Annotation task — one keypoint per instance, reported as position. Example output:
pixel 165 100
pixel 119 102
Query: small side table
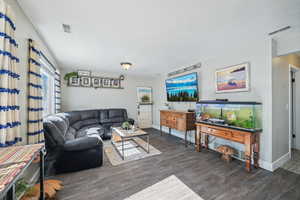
pixel 15 160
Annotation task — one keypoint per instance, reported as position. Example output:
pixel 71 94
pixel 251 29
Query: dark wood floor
pixel 205 173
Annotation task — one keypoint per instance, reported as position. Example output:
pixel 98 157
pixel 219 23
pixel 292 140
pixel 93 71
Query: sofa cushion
pixel 113 116
pixel 85 130
pixel 77 125
pixel 103 116
pixel 74 117
pixel 116 113
pixel 60 123
pixel 89 114
pixel 70 135
pixel 64 116
pixel 88 122
pixel 53 132
pixel 71 130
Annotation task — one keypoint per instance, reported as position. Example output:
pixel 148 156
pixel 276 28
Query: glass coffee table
pixel 120 135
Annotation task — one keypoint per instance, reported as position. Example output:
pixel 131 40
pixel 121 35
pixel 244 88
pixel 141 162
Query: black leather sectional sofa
pixel 74 139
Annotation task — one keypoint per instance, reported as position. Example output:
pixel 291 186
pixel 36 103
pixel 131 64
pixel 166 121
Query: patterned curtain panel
pixel 35 110
pixel 9 108
pixel 57 92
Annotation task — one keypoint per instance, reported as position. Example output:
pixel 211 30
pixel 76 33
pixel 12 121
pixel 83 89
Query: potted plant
pixel 126 125
pixel 70 74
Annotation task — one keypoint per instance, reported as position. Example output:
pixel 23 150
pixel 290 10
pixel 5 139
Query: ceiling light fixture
pixel 126 65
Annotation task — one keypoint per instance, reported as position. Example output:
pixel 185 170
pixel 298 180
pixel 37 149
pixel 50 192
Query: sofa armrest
pixel 83 143
pixel 131 121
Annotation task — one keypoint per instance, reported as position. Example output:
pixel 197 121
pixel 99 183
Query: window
pixel 48 91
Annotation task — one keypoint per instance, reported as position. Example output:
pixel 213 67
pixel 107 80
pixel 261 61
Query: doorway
pixel 294 110
pixel 288 107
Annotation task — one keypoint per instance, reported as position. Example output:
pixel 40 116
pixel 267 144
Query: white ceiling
pixel 155 35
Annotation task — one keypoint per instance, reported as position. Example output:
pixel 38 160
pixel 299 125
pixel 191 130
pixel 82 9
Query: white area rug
pixel 130 150
pixel 170 188
pixel 131 154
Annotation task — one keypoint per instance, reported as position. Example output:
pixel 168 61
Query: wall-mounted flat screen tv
pixel 183 88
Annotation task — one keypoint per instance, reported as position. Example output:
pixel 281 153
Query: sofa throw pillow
pixel 77 125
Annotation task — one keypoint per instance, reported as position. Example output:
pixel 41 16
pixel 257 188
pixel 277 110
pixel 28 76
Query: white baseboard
pixel 265 165
pixel 262 163
pixel 279 162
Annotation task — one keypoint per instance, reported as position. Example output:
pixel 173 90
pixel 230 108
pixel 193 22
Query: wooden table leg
pixel 185 139
pixel 206 141
pixel 198 139
pixel 160 130
pixel 248 152
pixel 256 151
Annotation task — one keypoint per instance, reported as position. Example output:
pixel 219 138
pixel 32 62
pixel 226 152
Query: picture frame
pixel 144 95
pixel 106 82
pixel 85 81
pixel 115 83
pixel 74 81
pixel 234 78
pixel 84 73
pixel 96 82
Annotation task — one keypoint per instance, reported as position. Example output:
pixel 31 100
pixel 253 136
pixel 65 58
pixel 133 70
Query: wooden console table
pixel 179 120
pixel 250 138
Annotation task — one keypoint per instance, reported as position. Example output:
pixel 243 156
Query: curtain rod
pixel 45 57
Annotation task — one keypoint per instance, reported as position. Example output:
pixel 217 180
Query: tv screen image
pixel 183 88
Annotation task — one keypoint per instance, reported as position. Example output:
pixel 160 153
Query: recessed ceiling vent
pixel 279 30
pixel 67 28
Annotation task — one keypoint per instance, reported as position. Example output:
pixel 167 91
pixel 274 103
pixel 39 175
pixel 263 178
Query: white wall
pixel 258 53
pixel 24 31
pixel 288 42
pixel 79 98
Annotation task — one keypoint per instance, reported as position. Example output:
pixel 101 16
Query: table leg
pixel 256 151
pixel 123 155
pixel 206 141
pixel 198 139
pixel 148 144
pixel 42 173
pixel 195 138
pixel 160 130
pixel 248 152
pixel 170 131
pixel 185 139
pixel 11 194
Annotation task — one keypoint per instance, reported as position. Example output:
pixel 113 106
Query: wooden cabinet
pixel 248 138
pixel 179 120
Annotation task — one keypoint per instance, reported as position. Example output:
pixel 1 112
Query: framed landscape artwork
pixel 144 95
pixel 233 79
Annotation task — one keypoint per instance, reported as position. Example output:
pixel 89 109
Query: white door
pixel 145 115
pixel 297 110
